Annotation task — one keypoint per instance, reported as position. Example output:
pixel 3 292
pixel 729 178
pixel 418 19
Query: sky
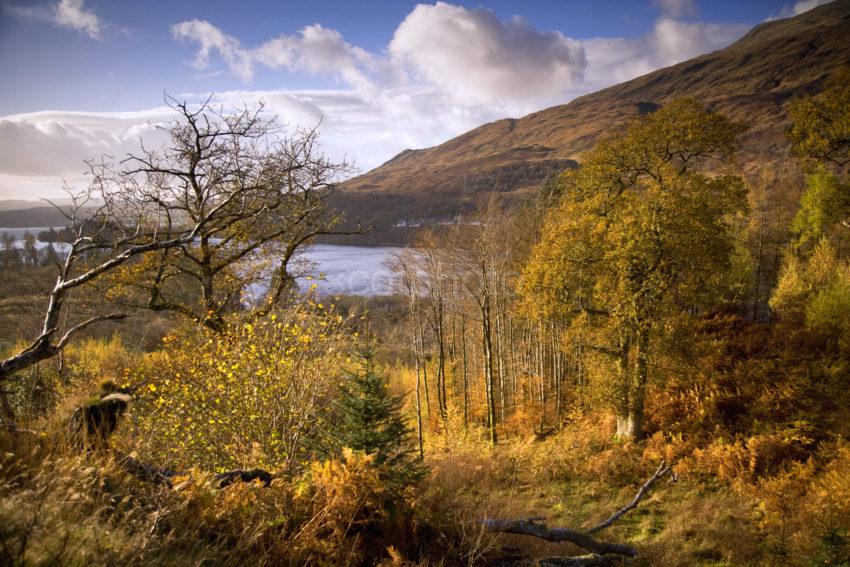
pixel 84 78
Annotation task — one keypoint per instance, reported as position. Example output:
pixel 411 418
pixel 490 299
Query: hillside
pixel 751 80
pixel 44 215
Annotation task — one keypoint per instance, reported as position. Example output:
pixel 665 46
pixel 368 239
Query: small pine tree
pixel 368 417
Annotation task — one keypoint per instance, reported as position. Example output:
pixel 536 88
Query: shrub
pixel 249 396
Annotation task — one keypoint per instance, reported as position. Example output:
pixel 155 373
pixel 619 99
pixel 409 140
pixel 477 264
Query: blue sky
pixel 85 77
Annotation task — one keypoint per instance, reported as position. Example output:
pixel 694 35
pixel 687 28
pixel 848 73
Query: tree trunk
pixel 418 399
pixel 487 345
pixel 630 417
pixel 465 375
pixel 624 424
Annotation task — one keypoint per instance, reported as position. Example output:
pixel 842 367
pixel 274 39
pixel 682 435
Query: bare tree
pixel 101 243
pixel 406 283
pixel 269 187
pixel 227 188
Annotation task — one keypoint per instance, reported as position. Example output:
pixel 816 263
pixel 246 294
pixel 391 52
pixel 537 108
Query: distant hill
pixel 43 215
pixel 751 80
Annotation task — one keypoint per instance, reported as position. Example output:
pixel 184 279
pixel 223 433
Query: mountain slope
pixel 751 80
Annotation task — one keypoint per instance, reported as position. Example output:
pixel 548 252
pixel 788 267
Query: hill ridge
pixel 751 79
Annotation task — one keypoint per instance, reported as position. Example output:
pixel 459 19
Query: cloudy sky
pixel 82 78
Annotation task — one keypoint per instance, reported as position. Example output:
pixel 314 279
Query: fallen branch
pixel 662 470
pixel 593 560
pixel 243 475
pixel 535 526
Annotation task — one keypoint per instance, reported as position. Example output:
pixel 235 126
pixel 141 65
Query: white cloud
pixel 677 8
pixel 467 54
pixel 469 58
pixel 477 59
pixel 314 49
pixel 68 14
pixel 41 149
pixel 447 69
pixel 806 5
pixel 72 15
pixel 614 60
pixel 798 8
pixel 211 39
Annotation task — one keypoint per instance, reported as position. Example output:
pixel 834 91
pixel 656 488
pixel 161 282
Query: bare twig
pixel 662 470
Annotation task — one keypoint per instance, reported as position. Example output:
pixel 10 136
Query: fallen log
pixel 593 560
pixel 146 472
pixel 536 527
pixel 161 475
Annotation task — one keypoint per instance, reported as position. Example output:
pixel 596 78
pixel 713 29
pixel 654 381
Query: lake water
pixel 349 270
pixel 336 270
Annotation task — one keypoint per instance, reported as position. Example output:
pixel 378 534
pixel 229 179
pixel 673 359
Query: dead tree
pixel 536 527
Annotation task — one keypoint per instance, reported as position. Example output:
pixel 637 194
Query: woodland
pixel 644 363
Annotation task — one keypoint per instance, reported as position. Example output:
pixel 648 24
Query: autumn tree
pixel 814 285
pixel 641 232
pixel 820 127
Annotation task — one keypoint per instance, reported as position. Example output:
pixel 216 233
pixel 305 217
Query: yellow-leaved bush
pixel 249 396
pixel 815 290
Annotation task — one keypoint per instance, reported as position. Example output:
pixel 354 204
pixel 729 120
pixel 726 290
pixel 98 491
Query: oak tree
pixel 641 232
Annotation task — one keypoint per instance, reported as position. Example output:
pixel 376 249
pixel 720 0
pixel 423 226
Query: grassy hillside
pixel 751 80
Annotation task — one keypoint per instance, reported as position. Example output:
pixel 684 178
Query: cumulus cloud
pixel 468 58
pixel 68 14
pixel 467 54
pixel 314 49
pixel 447 69
pixel 477 58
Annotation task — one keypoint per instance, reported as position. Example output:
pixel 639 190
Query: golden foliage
pixel 249 396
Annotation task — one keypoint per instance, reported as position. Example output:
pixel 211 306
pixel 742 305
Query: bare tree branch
pixel 535 526
pixel 662 470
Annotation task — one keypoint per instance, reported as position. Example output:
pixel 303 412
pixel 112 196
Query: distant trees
pixel 458 283
pixel 814 285
pixel 10 255
pixel 641 231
